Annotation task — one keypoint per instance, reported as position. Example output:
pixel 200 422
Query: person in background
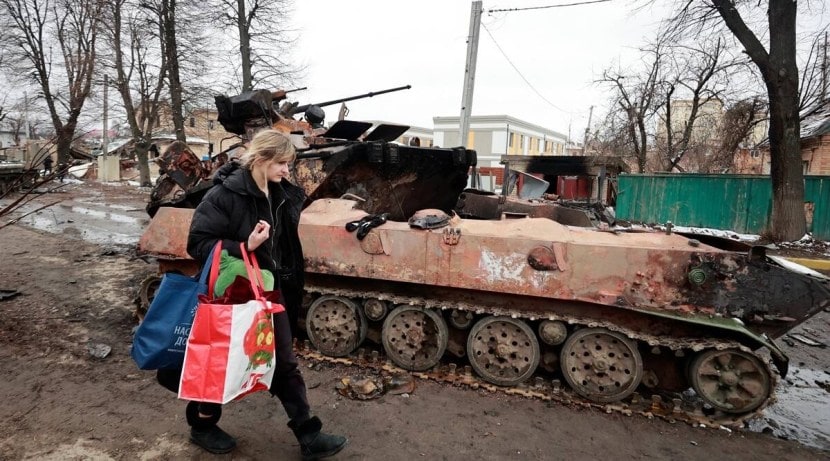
pixel 253 202
pixel 47 165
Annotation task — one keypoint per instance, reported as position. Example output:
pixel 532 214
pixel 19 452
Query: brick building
pixel 815 144
pixel 815 148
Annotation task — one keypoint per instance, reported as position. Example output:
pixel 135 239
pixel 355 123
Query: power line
pixel 547 6
pixel 520 73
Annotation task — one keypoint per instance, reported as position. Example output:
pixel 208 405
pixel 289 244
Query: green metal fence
pixel 740 203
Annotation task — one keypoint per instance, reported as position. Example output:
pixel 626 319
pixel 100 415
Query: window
pixel 510 139
pixel 806 167
pixel 210 124
pixel 192 122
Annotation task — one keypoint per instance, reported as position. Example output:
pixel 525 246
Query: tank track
pixel 670 407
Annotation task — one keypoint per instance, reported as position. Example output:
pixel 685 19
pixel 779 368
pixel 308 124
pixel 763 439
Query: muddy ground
pixel 77 275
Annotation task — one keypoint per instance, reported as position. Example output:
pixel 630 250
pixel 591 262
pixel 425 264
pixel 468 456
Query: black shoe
pixel 315 444
pixel 322 446
pixel 213 439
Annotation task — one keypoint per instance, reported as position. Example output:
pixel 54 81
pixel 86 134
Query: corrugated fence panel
pixel 817 191
pixel 741 203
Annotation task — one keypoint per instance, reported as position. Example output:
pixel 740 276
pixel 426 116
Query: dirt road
pixel 62 402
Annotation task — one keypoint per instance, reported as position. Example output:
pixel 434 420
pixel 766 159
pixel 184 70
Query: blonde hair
pixel 266 146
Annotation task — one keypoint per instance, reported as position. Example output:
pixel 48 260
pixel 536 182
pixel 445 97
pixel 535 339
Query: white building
pixel 7 135
pixel 492 136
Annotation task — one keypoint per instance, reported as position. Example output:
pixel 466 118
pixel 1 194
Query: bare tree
pixel 697 73
pixel 140 71
pixel 776 63
pixel 31 31
pixel 813 96
pixel 634 100
pixel 264 40
pixel 610 136
pixel 167 16
pixel 739 120
pixel 182 27
pixel 15 119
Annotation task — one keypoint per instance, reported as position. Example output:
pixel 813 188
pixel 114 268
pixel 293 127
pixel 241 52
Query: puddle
pixel 106 225
pixel 802 411
pixel 106 215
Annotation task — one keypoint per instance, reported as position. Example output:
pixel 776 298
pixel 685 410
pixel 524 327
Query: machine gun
pixel 305 107
pixel 236 111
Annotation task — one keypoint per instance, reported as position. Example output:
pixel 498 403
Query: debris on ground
pixel 804 339
pixel 98 350
pixel 360 387
pixel 8 294
pixel 368 387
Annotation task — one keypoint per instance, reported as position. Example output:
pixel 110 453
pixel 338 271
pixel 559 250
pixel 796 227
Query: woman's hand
pixel 261 232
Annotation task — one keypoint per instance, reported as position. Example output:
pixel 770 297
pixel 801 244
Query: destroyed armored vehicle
pixel 389 263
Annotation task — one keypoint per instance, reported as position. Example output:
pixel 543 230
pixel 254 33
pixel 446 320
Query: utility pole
pixel 105 137
pixel 587 130
pixel 469 79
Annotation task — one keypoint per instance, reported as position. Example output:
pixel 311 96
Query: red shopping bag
pixel 230 350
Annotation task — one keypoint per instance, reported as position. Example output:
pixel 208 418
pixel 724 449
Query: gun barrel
pixel 304 107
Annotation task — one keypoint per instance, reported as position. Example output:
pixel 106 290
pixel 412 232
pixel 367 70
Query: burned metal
pixel 618 295
pixel 11 176
pixel 393 179
pixel 598 173
pixel 517 291
pixel 483 205
pixel 429 219
pixel 372 386
pixel 548 390
pixel 184 179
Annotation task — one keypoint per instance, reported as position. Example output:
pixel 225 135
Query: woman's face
pixel 276 170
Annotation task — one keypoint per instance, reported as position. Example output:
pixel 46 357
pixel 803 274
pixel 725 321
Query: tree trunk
pixel 643 149
pixel 244 45
pixel 170 49
pixel 141 149
pixel 780 73
pixel 63 142
pixel 788 221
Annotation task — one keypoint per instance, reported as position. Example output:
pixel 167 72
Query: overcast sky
pixel 353 47
pixel 357 47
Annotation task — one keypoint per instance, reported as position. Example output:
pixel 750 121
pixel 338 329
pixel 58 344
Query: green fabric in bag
pixel 230 267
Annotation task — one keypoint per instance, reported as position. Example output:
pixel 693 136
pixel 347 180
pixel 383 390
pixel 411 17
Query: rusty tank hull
pixel 609 312
pixel 401 258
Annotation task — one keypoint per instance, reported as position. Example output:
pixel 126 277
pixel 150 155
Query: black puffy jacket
pixel 230 210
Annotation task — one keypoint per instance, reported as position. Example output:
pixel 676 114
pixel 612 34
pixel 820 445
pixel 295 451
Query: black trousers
pixel 287 384
pixel 292 299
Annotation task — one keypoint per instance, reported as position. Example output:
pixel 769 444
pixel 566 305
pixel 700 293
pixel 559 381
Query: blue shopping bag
pixel 161 338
